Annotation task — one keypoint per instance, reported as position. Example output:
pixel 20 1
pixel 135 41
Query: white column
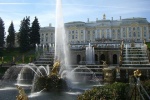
pixel 100 32
pixel 96 34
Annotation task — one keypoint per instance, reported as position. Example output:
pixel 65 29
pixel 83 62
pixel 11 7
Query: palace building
pixel 104 34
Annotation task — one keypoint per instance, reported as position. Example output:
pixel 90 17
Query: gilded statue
pixel 137 73
pixel 22 95
pixel 56 65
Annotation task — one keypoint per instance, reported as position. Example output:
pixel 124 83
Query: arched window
pixel 96 57
pixel 78 59
pixel 102 58
pixel 114 59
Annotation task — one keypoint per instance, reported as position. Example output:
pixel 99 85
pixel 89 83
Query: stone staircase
pixel 45 59
pixel 135 57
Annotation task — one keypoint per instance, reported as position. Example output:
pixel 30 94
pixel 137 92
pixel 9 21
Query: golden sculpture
pixel 2 59
pixel 13 59
pixel 22 95
pixel 55 68
pixel 137 73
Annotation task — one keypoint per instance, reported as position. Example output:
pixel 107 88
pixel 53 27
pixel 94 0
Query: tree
pixel 24 32
pixel 11 36
pixel 2 33
pixel 35 35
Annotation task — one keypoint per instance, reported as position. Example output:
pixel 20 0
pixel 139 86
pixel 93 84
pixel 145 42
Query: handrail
pixel 140 93
pixel 139 84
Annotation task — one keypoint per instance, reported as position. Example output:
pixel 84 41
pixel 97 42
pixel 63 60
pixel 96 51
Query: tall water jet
pixel 90 54
pixel 61 40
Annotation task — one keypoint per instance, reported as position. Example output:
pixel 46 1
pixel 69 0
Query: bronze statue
pixel 56 65
pixel 137 73
pixel 22 95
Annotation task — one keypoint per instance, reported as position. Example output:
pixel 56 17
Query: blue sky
pixel 73 10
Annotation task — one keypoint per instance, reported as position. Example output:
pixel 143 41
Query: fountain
pixel 54 80
pixel 82 74
pixel 90 54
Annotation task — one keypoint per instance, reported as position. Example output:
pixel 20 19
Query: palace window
pixel 51 39
pixel 76 31
pixel 69 32
pixel 72 32
pixel 107 30
pixel 108 36
pixel 144 34
pixel 113 35
pixel 76 36
pixel 129 28
pixel 102 35
pixel 138 34
pixel 113 31
pixel 119 35
pixel 123 29
pixel 81 36
pixel 81 31
pixel 134 34
pixel 93 31
pixel 88 32
pixel 138 28
pixel 144 28
pixel 118 31
pixel 98 31
pixel 124 34
pixel 130 34
pixel 133 28
pixel 72 36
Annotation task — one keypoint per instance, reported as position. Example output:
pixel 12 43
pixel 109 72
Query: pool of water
pixel 8 91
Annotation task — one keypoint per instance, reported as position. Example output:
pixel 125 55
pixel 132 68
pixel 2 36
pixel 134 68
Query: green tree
pixel 35 34
pixel 24 32
pixel 11 36
pixel 2 33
